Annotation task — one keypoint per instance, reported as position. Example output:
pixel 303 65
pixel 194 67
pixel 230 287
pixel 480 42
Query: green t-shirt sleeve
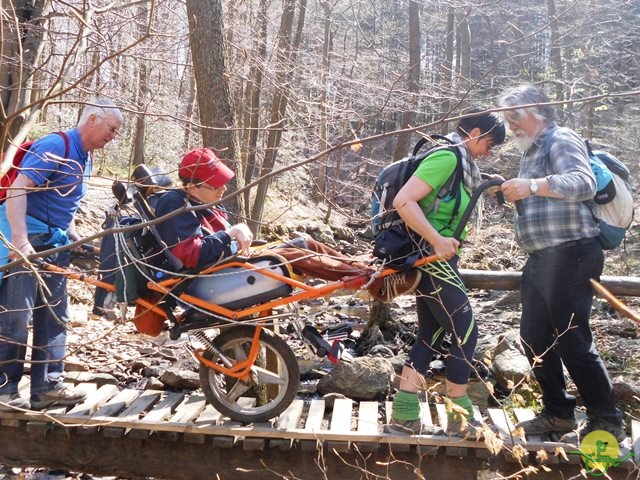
pixel 435 170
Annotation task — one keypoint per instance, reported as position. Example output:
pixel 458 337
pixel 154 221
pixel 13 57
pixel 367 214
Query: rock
pixel 626 393
pixel 180 379
pixel 380 351
pixel 330 400
pixel 154 384
pixel 365 378
pixel 509 364
pixel 99 379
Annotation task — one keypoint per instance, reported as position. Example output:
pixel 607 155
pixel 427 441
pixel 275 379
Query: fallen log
pixel 507 280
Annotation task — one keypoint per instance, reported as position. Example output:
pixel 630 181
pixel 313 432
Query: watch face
pixel 533 186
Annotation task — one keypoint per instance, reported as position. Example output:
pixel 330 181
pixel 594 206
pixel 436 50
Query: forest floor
pixel 100 345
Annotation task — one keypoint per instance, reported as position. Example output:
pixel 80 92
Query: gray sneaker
pixel 11 401
pixel 546 423
pixel 59 396
pixel 409 427
pixel 468 428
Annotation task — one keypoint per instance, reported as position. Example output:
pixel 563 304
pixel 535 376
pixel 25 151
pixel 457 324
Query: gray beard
pixel 524 143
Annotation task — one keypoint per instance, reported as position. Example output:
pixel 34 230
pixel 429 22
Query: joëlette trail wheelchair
pixel 237 313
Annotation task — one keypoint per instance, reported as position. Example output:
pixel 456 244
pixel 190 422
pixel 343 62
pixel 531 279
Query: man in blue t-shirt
pixel 39 215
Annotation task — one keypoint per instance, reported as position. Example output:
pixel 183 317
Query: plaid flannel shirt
pixel 546 221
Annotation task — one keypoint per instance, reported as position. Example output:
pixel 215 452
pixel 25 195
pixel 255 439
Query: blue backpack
pixel 612 205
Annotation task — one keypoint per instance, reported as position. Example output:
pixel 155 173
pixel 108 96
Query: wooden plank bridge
pixel 177 436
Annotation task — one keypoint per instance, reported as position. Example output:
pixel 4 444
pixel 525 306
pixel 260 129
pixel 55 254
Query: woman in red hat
pixel 199 237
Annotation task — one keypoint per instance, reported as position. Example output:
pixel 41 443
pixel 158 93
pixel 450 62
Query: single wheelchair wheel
pixel 272 384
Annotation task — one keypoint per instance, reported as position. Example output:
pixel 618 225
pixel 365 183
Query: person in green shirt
pixel 441 298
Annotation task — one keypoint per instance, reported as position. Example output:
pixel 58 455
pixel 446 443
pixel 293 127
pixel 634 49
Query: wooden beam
pixel 507 280
pixel 127 457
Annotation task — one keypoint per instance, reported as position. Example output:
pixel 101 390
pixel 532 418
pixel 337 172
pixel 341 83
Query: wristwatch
pixel 533 186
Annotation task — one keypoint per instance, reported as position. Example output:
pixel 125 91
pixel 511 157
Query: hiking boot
pixel 387 288
pixel 10 401
pixel 546 423
pixel 59 396
pixel 468 428
pixel 591 424
pixel 409 427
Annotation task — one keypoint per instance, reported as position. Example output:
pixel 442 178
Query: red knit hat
pixel 203 166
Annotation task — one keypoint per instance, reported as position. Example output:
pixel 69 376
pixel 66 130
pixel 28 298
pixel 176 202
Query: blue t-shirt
pixel 57 201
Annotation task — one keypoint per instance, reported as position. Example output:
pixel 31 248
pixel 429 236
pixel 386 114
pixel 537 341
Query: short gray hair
pixel 100 107
pixel 528 95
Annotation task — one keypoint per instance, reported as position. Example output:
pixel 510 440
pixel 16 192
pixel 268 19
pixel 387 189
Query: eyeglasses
pixel 112 129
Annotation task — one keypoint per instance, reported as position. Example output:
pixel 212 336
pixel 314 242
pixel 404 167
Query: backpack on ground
pixel 393 240
pixel 612 205
pixel 8 178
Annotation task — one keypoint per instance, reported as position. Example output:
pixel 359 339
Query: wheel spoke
pixel 236 391
pixel 268 377
pixel 239 353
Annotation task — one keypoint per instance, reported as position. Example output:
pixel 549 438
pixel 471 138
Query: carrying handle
pixel 474 199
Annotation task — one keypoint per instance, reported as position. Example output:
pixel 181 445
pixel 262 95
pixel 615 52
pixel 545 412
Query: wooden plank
pixel 40 427
pixel 93 401
pixel 291 416
pixel 209 416
pixel 189 410
pixel 341 417
pixel 132 412
pixel 388 410
pixel 184 413
pixel 425 414
pixel 340 423
pixel 368 418
pixel 441 410
pixel 368 425
pixel 161 411
pixel 288 420
pixel 315 416
pixel 23 390
pixel 313 424
pixel 504 425
pixel 115 405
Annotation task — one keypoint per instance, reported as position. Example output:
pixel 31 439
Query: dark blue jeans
pixel 23 300
pixel 443 306
pixel 556 305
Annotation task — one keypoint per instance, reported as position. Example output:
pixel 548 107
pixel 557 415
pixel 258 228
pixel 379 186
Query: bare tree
pixel 208 50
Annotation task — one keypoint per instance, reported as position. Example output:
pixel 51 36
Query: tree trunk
pixel 23 26
pixel 413 84
pixel 208 51
pixel 556 53
pixel 321 180
pixel 286 53
pixel 464 49
pixel 252 100
pixel 447 70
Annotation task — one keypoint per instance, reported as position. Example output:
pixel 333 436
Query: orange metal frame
pixel 239 370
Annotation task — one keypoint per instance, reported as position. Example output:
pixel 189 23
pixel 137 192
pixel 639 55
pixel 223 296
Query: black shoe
pixel 591 424
pixel 545 423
